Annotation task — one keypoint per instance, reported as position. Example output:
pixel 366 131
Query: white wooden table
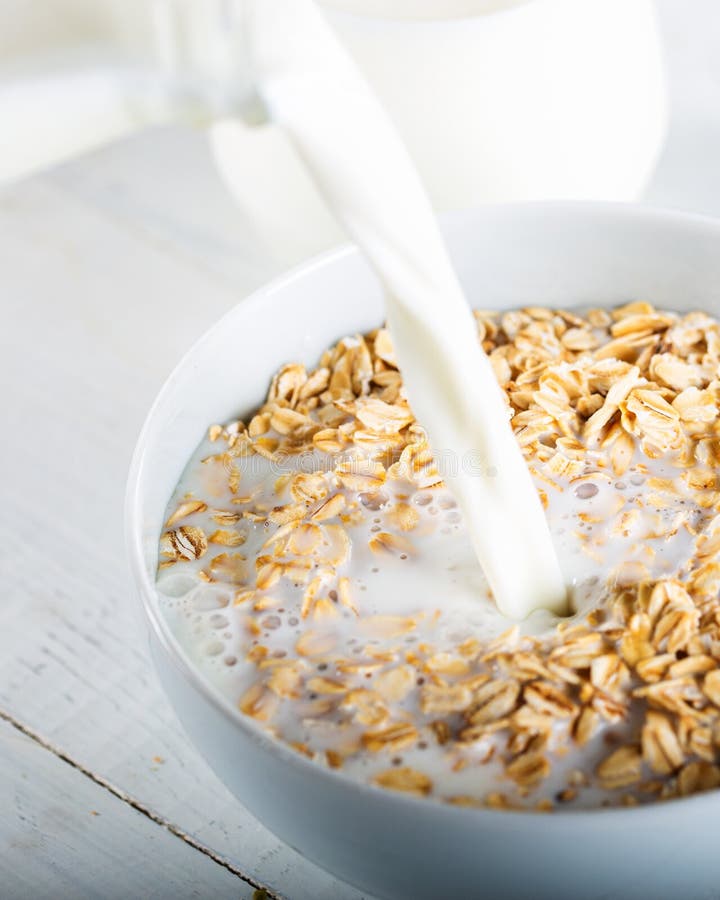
pixel 109 268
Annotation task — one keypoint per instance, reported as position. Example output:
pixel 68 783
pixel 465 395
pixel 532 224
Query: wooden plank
pixel 62 835
pixel 274 218
pixel 99 315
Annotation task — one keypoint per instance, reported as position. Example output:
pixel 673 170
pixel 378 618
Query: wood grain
pixel 62 835
pixel 100 312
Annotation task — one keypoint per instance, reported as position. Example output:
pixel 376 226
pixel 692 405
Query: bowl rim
pixel 644 216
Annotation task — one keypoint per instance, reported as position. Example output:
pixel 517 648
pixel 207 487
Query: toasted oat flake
pixel 528 769
pixel 711 686
pixel 393 544
pixel 621 768
pixel 185 509
pixel 329 509
pixel 404 779
pixel 493 701
pixel 395 684
pixel 404 517
pixel 259 703
pixel 660 745
pixel 698 776
pixel 445 698
pixel 186 543
pixel 617 413
pixel 227 538
pixel 395 737
pixel 547 699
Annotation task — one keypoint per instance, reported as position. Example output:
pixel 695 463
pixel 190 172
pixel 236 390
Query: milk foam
pixel 441 585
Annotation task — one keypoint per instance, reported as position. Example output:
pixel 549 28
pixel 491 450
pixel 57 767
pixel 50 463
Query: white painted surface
pixel 96 311
pixel 52 810
pixel 110 268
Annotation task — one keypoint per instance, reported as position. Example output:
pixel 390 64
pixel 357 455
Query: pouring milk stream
pixel 312 88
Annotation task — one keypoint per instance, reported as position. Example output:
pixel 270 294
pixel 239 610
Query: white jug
pixel 75 74
pixel 497 100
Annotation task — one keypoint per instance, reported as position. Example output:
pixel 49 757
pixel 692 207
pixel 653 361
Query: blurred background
pixel 498 100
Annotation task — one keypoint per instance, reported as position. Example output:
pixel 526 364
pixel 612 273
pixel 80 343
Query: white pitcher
pixel 497 100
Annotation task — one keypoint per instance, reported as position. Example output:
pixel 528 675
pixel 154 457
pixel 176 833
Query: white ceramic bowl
pixel 391 845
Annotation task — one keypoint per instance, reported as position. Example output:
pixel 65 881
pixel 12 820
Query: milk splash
pixel 311 88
